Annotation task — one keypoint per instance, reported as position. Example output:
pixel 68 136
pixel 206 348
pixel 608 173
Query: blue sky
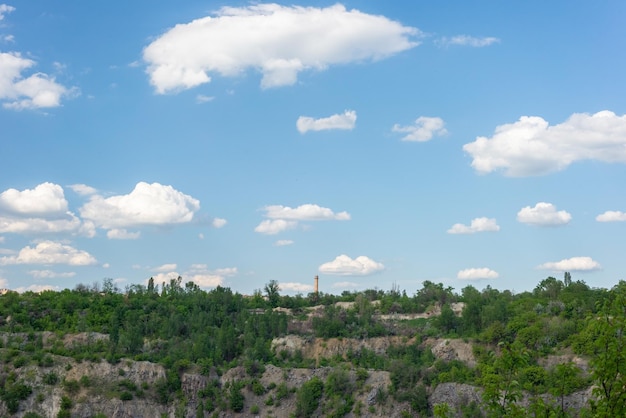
pixel 371 143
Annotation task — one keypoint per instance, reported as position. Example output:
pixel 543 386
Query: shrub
pixel 71 386
pixel 66 403
pixel 51 378
pixel 85 381
pixel 282 391
pixel 126 396
pixel 309 397
pixel 257 388
pixel 236 398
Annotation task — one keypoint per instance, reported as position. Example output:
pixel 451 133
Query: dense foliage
pixel 184 328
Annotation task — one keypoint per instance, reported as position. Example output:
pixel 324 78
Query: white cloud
pixel 122 233
pixel 477 274
pixel 16 225
pixel 8 38
pixel 477 225
pixel 45 200
pixel 283 218
pixel 543 214
pixel 147 204
pixel 164 277
pixel 228 271
pixel 197 273
pixel 38 90
pixel 165 268
pixel 572 264
pixel 39 210
pixel 4 283
pixel 295 287
pixel 283 242
pixel 466 40
pixel 201 98
pixel 200 275
pixel 345 121
pixel 49 274
pixel 307 212
pixel 206 280
pixel 50 252
pixel 83 189
pixel 36 288
pixel 219 223
pixel 1 239
pixel 278 41
pixel 422 130
pixel 5 9
pixel 611 216
pixel 531 147
pixel 345 266
pixel 274 226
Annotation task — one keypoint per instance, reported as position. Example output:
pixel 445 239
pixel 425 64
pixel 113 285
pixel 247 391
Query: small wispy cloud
pixel 477 274
pixel 201 98
pixel 283 242
pixel 423 129
pixel 345 121
pixel 219 223
pixel 612 216
pixel 466 40
pixel 477 225
pixel 543 214
pixel 343 265
pixel 572 264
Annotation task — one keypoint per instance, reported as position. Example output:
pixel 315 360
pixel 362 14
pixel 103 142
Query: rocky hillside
pixel 183 352
pixel 61 386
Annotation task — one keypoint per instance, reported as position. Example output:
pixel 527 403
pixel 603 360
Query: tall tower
pixel 316 284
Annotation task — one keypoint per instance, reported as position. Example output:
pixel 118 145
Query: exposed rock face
pixel 99 390
pixel 115 408
pixel 450 349
pixel 455 394
pixel 317 348
pixel 136 371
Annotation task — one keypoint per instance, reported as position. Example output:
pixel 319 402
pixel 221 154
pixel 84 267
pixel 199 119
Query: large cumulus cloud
pixel 278 41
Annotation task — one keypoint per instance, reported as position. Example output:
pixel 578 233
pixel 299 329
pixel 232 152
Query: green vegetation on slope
pixel 185 328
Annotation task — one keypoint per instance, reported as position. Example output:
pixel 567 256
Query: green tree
pixel 501 381
pixel 447 320
pixel 565 380
pixel 609 363
pixel 271 290
pixel 308 397
pixel 236 398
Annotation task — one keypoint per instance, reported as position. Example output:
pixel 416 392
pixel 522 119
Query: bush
pixel 309 397
pixel 257 388
pixel 66 403
pixel 282 391
pixel 126 396
pixel 236 398
pixel 51 378
pixel 71 386
pixel 85 381
pixel 13 394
